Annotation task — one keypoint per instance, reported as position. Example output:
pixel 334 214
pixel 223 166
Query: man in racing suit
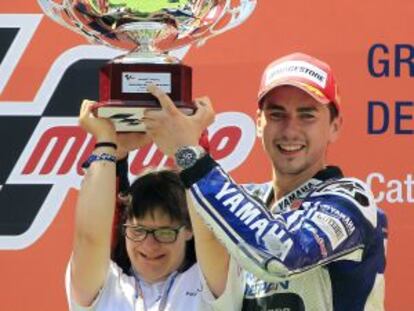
pixel 310 239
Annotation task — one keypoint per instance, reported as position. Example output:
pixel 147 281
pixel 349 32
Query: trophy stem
pixel 139 56
pixel 145 35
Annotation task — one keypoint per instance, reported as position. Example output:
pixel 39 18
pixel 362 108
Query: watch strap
pixel 202 167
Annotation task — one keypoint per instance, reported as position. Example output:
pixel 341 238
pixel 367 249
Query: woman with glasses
pixel 158 271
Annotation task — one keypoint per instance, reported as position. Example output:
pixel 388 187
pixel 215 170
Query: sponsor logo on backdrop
pixel 47 156
pixel 397 62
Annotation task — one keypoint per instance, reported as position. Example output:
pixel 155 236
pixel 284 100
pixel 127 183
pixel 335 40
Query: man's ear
pixel 259 123
pixel 336 126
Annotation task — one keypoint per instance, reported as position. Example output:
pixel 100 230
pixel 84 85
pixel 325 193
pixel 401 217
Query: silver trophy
pixel 151 30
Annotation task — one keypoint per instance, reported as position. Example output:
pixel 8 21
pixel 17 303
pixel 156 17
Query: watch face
pixel 187 156
pixel 184 157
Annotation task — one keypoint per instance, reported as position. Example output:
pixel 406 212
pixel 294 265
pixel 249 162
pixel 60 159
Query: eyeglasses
pixel 162 235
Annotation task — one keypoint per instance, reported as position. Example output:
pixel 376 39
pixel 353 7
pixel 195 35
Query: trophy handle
pixel 237 16
pixel 57 12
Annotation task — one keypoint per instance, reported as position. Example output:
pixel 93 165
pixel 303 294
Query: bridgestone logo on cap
pixel 299 69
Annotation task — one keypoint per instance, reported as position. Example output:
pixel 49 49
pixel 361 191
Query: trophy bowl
pixel 149 30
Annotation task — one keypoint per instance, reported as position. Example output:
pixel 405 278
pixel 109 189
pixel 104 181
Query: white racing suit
pixel 321 248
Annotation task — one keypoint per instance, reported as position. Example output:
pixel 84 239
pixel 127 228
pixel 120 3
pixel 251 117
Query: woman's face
pixel 152 260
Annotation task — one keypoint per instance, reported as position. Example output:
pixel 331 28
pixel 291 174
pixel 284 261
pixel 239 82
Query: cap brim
pixel 307 88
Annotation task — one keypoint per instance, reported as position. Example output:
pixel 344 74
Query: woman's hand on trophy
pixel 102 129
pixel 170 128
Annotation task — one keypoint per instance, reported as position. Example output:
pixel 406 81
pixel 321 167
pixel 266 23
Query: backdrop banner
pixel 46 70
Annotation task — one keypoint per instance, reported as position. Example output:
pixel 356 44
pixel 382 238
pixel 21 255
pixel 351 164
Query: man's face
pixel 154 261
pixel 295 130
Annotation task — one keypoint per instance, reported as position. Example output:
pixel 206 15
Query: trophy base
pixel 123 93
pixel 128 81
pixel 127 116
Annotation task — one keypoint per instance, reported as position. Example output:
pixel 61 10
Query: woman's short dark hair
pixel 155 190
pixel 158 190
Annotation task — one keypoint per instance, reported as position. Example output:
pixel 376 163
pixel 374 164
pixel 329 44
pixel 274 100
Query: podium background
pixel 44 77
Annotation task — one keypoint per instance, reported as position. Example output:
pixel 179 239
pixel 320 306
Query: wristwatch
pixel 187 156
